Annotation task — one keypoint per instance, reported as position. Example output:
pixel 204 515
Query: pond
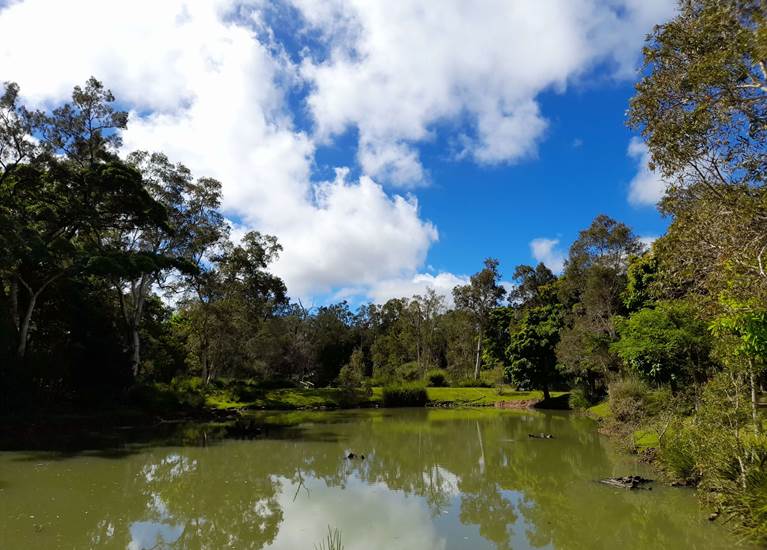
pixel 430 479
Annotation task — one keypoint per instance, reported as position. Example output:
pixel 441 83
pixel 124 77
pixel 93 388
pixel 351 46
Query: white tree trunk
pixel 478 360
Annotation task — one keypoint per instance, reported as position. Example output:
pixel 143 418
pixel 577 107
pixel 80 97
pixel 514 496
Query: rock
pixel 626 482
pixel 540 436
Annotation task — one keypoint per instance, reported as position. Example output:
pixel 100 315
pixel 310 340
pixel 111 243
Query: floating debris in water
pixel 626 482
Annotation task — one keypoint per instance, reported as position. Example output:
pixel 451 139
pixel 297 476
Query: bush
pixel 379 380
pixel 578 399
pixel 157 396
pixel 436 378
pixel 409 371
pixel 404 395
pixel 628 399
pixel 677 454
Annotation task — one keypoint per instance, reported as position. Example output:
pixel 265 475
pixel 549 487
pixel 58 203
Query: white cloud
pixel 647 187
pixel 204 89
pixel 397 69
pixel 647 241
pixel 547 251
pixel 402 521
pixel 208 84
pixel 399 287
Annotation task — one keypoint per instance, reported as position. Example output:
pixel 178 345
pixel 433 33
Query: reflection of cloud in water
pixel 368 516
pixel 149 534
pixel 442 480
pixel 172 466
pixel 155 534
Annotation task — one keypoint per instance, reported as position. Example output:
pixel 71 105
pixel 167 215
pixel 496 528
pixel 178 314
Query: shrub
pixel 404 395
pixel 578 399
pixel 409 371
pixel 677 454
pixel 380 380
pixel 436 378
pixel 628 399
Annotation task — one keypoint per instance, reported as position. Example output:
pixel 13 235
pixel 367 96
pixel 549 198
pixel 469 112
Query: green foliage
pixel 436 378
pixel 409 372
pixel 628 399
pixel 404 395
pixel 678 453
pixel 480 297
pixel 531 353
pixel 640 279
pixel 666 344
pixel 351 375
pixel 578 399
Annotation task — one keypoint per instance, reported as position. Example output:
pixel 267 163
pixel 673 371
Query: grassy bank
pixel 334 398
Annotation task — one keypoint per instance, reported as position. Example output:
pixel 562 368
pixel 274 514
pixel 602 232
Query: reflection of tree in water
pixel 508 485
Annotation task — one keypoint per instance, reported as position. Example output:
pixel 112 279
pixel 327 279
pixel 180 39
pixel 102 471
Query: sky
pixel 390 145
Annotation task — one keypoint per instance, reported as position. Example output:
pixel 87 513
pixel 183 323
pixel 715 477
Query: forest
pixel 121 283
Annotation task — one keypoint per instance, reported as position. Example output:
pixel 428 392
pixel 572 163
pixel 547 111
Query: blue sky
pixel 390 146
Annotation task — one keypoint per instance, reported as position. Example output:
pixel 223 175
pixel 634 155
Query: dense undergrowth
pixel 707 440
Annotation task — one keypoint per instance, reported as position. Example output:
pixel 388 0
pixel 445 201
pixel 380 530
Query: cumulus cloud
pixel 417 284
pixel 647 187
pixel 205 89
pixel 647 241
pixel 308 518
pixel 209 83
pixel 396 70
pixel 547 251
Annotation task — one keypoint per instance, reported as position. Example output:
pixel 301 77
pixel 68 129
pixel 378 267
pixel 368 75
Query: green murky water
pixel 442 479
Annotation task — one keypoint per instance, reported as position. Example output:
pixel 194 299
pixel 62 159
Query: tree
pixel 702 108
pixel 480 297
pixel 532 286
pixel 228 301
pixel 743 327
pixel 423 312
pixel 532 348
pixel 154 252
pixel 667 344
pixel 61 187
pixel 592 285
pixel 534 330
pixel 641 282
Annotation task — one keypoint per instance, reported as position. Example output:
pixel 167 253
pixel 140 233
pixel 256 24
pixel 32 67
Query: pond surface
pixel 430 479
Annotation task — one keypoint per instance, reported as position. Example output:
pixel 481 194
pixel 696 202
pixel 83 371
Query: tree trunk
pixel 478 360
pixel 15 304
pixel 21 350
pixel 752 382
pixel 546 394
pixel 135 350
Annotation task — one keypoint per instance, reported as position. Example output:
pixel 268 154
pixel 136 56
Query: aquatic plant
pixel 331 542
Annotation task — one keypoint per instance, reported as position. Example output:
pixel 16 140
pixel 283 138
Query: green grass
pixel 333 398
pixel 646 439
pixel 601 410
pixel 479 397
pixel 294 398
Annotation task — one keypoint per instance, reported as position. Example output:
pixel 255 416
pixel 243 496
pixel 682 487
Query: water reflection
pixel 441 479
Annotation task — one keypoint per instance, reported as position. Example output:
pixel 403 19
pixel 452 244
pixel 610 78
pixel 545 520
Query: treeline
pixel 120 271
